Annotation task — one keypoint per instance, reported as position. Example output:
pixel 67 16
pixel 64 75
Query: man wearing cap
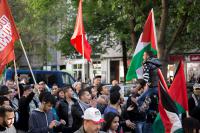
pixel 4 91
pixel 92 121
pixel 194 102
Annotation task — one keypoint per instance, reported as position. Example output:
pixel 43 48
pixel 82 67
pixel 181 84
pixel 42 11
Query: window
pixel 97 67
pixel 77 68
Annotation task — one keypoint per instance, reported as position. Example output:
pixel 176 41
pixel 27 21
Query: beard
pixel 5 124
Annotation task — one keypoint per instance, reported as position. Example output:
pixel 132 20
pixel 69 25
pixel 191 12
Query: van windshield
pixel 67 79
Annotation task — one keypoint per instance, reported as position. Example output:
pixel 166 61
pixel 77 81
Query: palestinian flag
pixel 167 109
pixel 178 92
pixel 178 89
pixel 147 41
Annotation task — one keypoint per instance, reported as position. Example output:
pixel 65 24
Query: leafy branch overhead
pixel 108 22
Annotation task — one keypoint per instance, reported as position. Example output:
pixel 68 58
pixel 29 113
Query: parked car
pixel 49 77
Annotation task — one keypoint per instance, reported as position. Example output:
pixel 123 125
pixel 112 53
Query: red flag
pixel 149 33
pixel 8 35
pixel 178 88
pixel 78 40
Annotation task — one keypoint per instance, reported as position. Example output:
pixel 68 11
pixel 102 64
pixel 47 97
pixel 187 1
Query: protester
pixel 64 109
pixel 4 101
pixel 54 90
pixel 92 121
pixel 7 119
pixel 24 109
pixel 102 90
pixel 41 120
pixel 102 103
pixel 42 87
pixel 114 82
pixel 111 123
pixel 96 81
pixel 150 67
pixel 79 107
pixel 4 91
pixel 115 107
pixel 76 87
pixel 60 94
pixel 194 102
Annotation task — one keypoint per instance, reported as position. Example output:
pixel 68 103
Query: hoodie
pixel 150 67
pixel 39 121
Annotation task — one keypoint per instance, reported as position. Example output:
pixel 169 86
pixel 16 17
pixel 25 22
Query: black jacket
pixel 77 114
pixel 23 111
pixel 194 110
pixel 62 110
pixel 150 75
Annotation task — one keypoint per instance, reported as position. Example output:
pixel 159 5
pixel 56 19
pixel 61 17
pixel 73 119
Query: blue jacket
pixel 39 121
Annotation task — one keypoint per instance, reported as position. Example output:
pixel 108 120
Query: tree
pixel 110 21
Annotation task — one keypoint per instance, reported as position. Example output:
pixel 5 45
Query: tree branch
pixel 177 32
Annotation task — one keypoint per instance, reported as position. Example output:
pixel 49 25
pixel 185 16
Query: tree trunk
pixel 161 37
pixel 124 51
pixel 133 34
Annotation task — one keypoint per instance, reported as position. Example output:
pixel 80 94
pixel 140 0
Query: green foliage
pixel 51 22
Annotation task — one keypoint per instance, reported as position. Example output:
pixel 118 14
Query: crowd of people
pixel 82 108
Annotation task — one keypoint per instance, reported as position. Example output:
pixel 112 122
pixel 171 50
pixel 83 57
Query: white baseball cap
pixel 93 114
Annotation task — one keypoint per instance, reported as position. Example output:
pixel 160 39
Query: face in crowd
pixel 78 87
pixel 86 97
pixel 54 90
pixel 91 126
pixel 68 93
pixel 6 116
pixel 9 119
pixel 41 87
pixel 114 82
pixel 115 124
pixel 105 90
pixel 47 107
pixel 61 94
pixel 97 81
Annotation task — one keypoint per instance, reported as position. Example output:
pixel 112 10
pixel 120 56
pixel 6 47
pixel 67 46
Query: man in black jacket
pixel 79 107
pixel 64 109
pixel 194 102
pixel 24 109
pixel 150 75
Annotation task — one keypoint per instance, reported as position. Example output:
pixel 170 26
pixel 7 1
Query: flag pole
pixel 16 78
pixel 27 61
pixel 83 76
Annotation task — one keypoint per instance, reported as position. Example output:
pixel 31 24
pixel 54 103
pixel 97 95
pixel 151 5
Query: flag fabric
pixel 147 41
pixel 8 35
pixel 178 89
pixel 78 40
pixel 167 108
pixel 168 120
pixel 178 93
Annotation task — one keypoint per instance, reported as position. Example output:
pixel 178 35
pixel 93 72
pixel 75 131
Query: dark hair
pixel 99 89
pixel 47 97
pixel 82 92
pixel 4 109
pixel 109 117
pixel 66 88
pixel 98 76
pixel 114 97
pixel 54 85
pixel 142 82
pixel 115 88
pixel 150 53
pixel 2 99
pixel 190 124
